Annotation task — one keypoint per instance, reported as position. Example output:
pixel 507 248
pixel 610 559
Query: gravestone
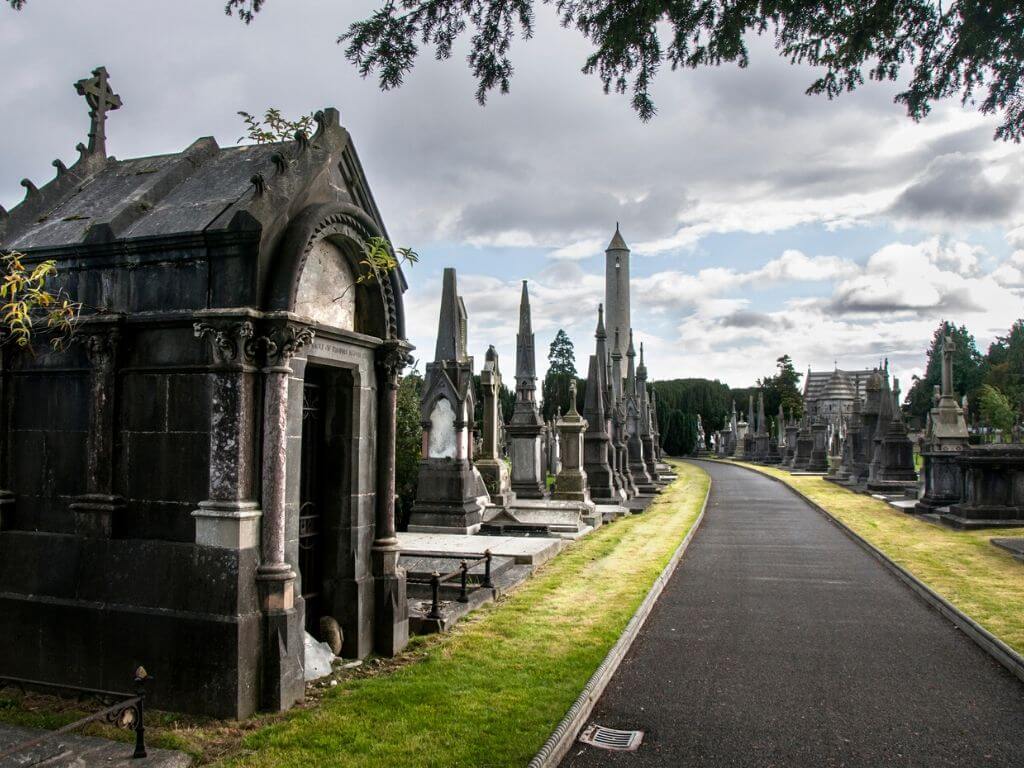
pixel 571 483
pixel 993 488
pixel 451 494
pixel 615 402
pixel 529 476
pixel 749 452
pixel 895 471
pixel 597 443
pixel 945 439
pixel 804 445
pixel 634 441
pixel 818 460
pixel 791 436
pixel 490 462
pixel 646 426
pixel 761 434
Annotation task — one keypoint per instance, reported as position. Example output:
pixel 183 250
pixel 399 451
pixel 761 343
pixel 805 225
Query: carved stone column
pixel 391 607
pixel 283 640
pixel 230 516
pixel 94 510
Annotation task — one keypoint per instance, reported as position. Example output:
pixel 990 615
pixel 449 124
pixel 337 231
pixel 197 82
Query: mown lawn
pixel 984 582
pixel 488 694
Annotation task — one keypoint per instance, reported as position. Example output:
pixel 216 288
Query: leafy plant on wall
pixel 29 305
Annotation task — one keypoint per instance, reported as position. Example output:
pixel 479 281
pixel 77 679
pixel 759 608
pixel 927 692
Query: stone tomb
pixel 213 469
pixel 451 494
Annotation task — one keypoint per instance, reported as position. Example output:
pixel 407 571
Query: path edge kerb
pixel 564 736
pixel 988 642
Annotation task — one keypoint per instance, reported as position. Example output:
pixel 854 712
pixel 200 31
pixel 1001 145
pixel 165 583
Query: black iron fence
pixel 123 710
pixel 461 573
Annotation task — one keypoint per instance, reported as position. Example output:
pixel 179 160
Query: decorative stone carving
pixel 230 344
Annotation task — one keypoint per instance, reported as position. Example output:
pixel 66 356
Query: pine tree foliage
pixel 561 372
pixel 968 49
pixel 408 444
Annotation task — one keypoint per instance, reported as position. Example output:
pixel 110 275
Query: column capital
pixel 392 358
pixel 231 342
pixel 100 336
pixel 281 341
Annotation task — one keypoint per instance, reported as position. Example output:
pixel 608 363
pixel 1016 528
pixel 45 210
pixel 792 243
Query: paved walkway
pixel 779 642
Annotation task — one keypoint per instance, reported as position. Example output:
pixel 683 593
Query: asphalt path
pixel 780 642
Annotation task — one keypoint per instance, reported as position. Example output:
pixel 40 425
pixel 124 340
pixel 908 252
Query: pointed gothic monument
pixel 490 462
pixel 529 476
pixel 451 494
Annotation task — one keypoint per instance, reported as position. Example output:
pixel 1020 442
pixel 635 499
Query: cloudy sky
pixel 762 221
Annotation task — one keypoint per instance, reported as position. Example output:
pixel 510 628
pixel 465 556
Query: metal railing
pixel 128 713
pixel 462 574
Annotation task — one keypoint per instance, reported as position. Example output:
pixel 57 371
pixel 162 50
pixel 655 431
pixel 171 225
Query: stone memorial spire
pixel 761 436
pixel 617 414
pixel 451 493
pixel 597 441
pixel 490 463
pixel 634 440
pixel 895 470
pixel 529 476
pixel 646 429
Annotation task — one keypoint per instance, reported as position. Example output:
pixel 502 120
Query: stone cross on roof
pixel 101 99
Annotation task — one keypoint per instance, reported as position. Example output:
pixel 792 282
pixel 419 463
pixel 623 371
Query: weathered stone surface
pixel 136 475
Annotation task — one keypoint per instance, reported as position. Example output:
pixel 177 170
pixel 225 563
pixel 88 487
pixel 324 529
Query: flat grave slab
pixel 1014 546
pixel 525 550
pixel 74 751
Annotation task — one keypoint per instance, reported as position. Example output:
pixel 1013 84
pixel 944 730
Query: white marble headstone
pixel 442 431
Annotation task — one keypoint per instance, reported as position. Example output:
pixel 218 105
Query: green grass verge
pixel 488 694
pixel 984 582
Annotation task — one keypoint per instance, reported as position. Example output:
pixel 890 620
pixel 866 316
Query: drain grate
pixel 611 739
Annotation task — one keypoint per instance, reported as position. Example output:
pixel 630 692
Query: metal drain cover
pixel 612 740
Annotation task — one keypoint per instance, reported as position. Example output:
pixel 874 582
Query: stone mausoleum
pixel 207 470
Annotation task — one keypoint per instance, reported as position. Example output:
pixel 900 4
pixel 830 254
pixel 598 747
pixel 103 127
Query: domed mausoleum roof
pixel 839 387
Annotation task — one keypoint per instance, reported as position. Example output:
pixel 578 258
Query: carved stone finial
pixel 259 183
pixel 280 162
pixel 302 140
pixel 61 168
pixel 83 151
pixel 101 99
pixel 31 190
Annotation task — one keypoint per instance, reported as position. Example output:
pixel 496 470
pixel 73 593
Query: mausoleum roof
pixel 817 382
pixel 203 189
